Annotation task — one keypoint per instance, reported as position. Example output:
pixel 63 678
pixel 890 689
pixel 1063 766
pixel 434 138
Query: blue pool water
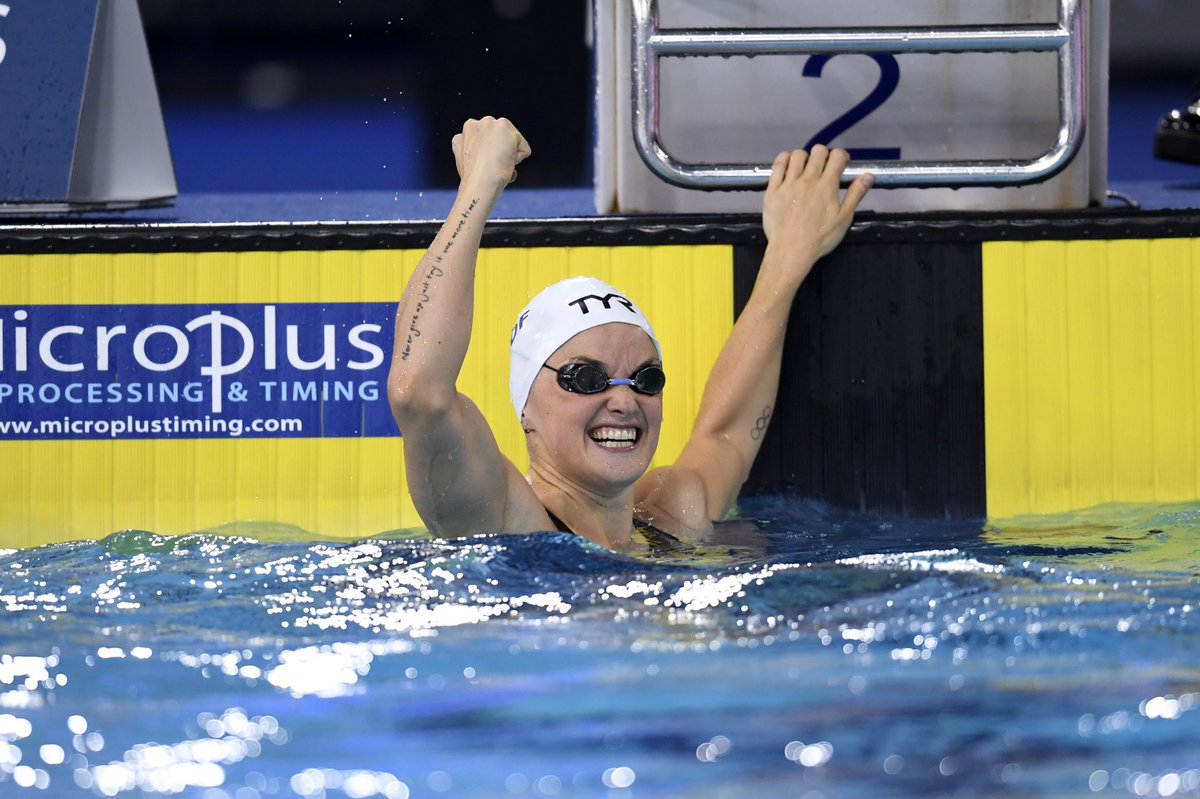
pixel 850 657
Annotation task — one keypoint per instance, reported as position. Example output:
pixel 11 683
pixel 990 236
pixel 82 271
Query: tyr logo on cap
pixel 517 327
pixel 606 300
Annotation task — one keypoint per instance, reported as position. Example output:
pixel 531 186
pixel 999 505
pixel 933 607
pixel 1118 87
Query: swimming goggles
pixel 586 378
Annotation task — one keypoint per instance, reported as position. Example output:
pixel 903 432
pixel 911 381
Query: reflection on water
pixel 850 657
pixel 1151 538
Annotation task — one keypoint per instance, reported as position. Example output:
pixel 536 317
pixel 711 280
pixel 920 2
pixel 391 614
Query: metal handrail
pixel 1065 37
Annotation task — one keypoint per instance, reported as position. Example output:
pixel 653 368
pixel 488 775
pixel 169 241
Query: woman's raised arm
pixel 804 218
pixel 455 472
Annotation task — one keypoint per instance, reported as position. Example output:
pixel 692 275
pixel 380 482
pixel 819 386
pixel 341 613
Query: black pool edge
pixel 115 236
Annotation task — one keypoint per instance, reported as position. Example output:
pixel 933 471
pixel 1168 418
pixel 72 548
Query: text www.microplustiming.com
pixel 165 427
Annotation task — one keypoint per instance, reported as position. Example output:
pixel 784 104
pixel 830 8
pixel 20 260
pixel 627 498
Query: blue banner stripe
pixel 309 370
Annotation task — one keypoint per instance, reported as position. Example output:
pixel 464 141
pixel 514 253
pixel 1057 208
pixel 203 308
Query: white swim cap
pixel 553 317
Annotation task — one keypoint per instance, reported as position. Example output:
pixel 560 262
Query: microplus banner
pixel 304 370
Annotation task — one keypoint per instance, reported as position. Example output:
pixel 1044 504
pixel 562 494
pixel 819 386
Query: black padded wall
pixel 880 405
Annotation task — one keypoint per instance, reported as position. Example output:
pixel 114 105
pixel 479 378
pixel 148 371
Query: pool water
pixel 850 657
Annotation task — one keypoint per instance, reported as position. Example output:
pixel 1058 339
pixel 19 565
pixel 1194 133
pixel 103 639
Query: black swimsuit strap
pixel 655 537
pixel 559 526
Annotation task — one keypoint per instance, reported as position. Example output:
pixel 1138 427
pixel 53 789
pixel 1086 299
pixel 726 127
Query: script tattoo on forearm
pixel 760 424
pixel 435 271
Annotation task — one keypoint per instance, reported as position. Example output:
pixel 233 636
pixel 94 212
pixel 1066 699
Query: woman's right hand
pixel 488 151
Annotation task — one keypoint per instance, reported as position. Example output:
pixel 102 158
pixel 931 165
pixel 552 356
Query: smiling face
pixel 599 442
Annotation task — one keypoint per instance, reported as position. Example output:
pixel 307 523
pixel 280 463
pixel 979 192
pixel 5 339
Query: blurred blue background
pixel 313 95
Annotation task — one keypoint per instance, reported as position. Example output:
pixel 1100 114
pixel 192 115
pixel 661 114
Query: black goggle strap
pixel 586 378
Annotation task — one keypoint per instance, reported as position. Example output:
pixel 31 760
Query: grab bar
pixel 1065 36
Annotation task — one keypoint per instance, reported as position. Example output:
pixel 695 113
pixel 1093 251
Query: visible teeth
pixel 614 436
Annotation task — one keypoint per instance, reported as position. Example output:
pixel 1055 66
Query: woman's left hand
pixel 804 214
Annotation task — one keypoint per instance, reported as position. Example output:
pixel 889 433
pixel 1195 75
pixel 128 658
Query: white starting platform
pixel 986 104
